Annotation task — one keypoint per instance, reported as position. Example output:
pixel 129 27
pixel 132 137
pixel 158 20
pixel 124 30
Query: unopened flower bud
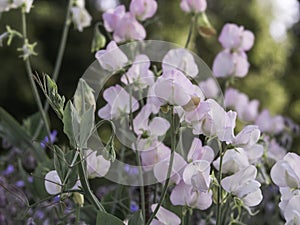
pixel 99 40
pixel 78 199
pixel 205 28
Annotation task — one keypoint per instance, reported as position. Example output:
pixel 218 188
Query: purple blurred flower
pixel 269 124
pixel 133 206
pixel 9 170
pixel 52 139
pixel 143 9
pixel 20 183
pixel 195 6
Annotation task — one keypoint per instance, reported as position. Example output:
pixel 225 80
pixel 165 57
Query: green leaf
pixel 60 162
pixel 136 219
pixel 86 127
pixel 16 135
pixel 107 219
pixel 31 123
pixel 71 123
pixel 84 97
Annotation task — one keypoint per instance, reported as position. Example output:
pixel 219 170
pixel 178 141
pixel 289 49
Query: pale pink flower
pixel 113 17
pixel 196 174
pixel 112 58
pixel 236 38
pixel 139 74
pixel 175 88
pixel 164 217
pixel 229 63
pixel 210 88
pixel 269 124
pixel 199 152
pixel 243 185
pixel 161 168
pixel 248 137
pixel 118 103
pixel 180 59
pixel 246 110
pixel 143 9
pixel 195 6
pixel 275 151
pixel 234 160
pixel 129 28
pixel 292 211
pixel 186 195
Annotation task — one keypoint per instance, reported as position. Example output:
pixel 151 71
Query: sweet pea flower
pixel 248 137
pixel 53 183
pixel 118 103
pixel 210 88
pixel 175 88
pixel 143 9
pixel 81 18
pixel 186 195
pixel 243 185
pixel 235 37
pixel 196 174
pixel 216 122
pixel 275 151
pixel 164 217
pixel 158 126
pixel 199 152
pixel 292 211
pixel 234 160
pixel 129 28
pixel 97 166
pixel 152 152
pixel 286 195
pixel 112 17
pixel 269 124
pixel 139 74
pixel 195 6
pixel 246 110
pixel 161 168
pixel 286 172
pixel 180 59
pixel 229 63
pixel 111 59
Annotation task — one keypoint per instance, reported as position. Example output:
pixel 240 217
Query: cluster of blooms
pixel 125 25
pixel 191 176
pixel 233 61
pixel 6 5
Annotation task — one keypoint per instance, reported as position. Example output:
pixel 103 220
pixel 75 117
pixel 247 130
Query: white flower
pixel 165 217
pixel 286 172
pixel 53 183
pixel 233 161
pixel 97 166
pixel 81 17
pixel 182 60
pixel 292 211
pixel 243 185
pixel 247 137
pixel 197 175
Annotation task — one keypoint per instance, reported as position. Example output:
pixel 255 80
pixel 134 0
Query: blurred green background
pixel 275 63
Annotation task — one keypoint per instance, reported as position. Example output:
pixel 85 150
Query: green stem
pixel 59 58
pixel 85 183
pixel 192 24
pixel 30 77
pixel 166 185
pixel 77 218
pixel 70 168
pixel 219 203
pixel 138 159
pixel 183 214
